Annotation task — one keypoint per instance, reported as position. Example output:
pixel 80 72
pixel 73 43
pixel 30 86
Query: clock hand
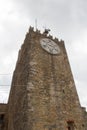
pixel 50 49
pixel 48 41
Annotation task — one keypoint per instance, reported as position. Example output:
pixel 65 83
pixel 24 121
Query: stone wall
pixel 3 110
pixel 43 95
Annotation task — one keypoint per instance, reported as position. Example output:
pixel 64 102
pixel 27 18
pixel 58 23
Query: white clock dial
pixel 50 46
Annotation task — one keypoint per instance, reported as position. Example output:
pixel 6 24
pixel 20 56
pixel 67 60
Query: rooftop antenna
pixel 44 27
pixel 35 24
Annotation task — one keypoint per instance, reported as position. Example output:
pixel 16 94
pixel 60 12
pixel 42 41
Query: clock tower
pixel 43 95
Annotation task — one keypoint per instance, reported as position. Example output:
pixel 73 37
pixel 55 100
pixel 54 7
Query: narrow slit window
pixel 1 118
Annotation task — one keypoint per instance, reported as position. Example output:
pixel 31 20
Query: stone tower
pixel 43 95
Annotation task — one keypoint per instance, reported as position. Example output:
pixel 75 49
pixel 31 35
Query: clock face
pixel 50 46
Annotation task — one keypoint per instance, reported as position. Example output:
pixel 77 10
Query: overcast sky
pixel 67 20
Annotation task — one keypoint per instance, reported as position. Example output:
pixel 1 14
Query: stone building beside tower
pixel 43 95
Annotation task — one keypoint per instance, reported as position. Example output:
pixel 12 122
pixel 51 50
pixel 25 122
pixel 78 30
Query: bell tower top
pixel 44 34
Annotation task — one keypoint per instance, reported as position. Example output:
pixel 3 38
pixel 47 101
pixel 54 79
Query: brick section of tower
pixel 43 95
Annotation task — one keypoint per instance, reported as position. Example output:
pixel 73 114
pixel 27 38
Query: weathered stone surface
pixel 3 110
pixel 43 95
